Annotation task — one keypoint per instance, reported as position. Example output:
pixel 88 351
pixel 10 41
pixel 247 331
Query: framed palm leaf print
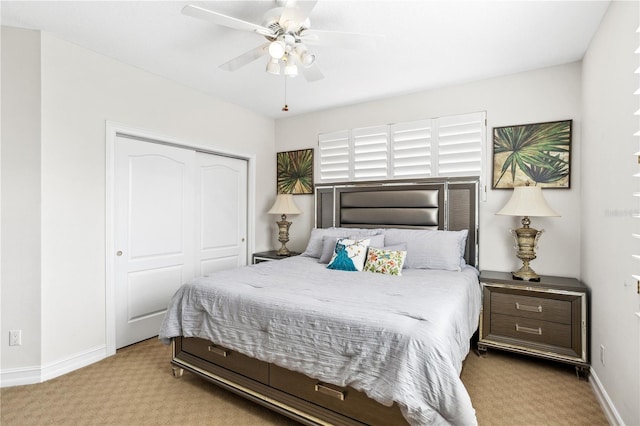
pixel 537 153
pixel 295 172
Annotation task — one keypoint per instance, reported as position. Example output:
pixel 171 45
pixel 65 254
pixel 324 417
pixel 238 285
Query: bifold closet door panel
pixel 154 233
pixel 221 213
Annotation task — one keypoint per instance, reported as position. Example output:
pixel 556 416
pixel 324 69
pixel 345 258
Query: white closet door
pixel 154 233
pixel 221 213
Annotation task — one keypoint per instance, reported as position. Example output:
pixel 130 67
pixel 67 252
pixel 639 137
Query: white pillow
pixel 314 246
pixel 430 249
pixel 349 255
pixel 395 247
pixel 374 240
pixel 365 232
pixel 328 247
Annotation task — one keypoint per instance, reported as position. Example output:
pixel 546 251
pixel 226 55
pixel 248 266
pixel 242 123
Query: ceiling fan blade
pixel 354 41
pixel 296 11
pixel 245 58
pixel 312 73
pixel 224 20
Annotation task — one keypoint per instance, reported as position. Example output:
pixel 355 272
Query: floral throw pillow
pixel 349 255
pixel 385 261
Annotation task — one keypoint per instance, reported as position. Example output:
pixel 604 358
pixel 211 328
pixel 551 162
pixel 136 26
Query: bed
pixel 326 346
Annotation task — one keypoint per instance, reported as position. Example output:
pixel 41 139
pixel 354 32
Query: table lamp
pixel 284 205
pixel 526 201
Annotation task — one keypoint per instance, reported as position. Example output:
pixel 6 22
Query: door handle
pixel 119 253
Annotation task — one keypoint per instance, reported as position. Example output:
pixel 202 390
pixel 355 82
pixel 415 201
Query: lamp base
pixel 283 236
pixel 526 239
pixel 284 251
pixel 529 275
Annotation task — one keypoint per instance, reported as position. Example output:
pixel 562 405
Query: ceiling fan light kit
pixel 307 59
pixel 276 49
pixel 287 29
pixel 273 67
pixel 290 69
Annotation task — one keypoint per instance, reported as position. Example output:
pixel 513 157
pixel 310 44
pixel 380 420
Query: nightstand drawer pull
pixel 218 351
pixel 537 331
pixel 528 308
pixel 330 392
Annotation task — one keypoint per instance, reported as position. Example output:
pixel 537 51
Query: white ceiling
pixel 427 44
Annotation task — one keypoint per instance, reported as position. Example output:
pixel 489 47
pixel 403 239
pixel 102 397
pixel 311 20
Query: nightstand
pixel 265 256
pixel 546 319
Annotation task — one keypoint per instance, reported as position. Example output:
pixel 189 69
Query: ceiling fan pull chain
pixel 285 107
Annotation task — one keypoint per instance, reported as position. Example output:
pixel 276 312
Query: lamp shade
pixel 527 201
pixel 284 205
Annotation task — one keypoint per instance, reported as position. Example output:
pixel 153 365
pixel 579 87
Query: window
pixel 445 146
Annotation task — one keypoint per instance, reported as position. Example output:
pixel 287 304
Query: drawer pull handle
pixel 537 331
pixel 528 308
pixel 330 392
pixel 218 351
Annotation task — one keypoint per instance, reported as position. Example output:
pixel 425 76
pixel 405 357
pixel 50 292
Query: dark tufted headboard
pixel 436 203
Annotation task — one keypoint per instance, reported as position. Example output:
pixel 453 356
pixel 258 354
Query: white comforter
pixel 399 339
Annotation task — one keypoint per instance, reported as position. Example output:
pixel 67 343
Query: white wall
pixel 81 90
pixel 607 183
pixel 544 95
pixel 20 195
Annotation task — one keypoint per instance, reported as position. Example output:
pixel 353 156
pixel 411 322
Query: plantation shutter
pixel 334 160
pixel 370 147
pixel 411 149
pixel 446 146
pixel 460 141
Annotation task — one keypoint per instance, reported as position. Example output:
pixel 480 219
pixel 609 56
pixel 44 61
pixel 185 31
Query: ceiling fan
pixel 287 30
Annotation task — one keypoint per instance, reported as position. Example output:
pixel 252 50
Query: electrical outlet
pixel 602 354
pixel 15 337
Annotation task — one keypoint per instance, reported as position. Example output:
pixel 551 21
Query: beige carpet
pixel 136 387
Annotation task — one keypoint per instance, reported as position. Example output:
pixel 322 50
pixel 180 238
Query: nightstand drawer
pixel 539 308
pixel 549 333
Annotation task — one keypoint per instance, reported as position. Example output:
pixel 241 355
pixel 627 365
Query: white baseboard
pixel 605 402
pixel 19 376
pixel 74 362
pixel 38 374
